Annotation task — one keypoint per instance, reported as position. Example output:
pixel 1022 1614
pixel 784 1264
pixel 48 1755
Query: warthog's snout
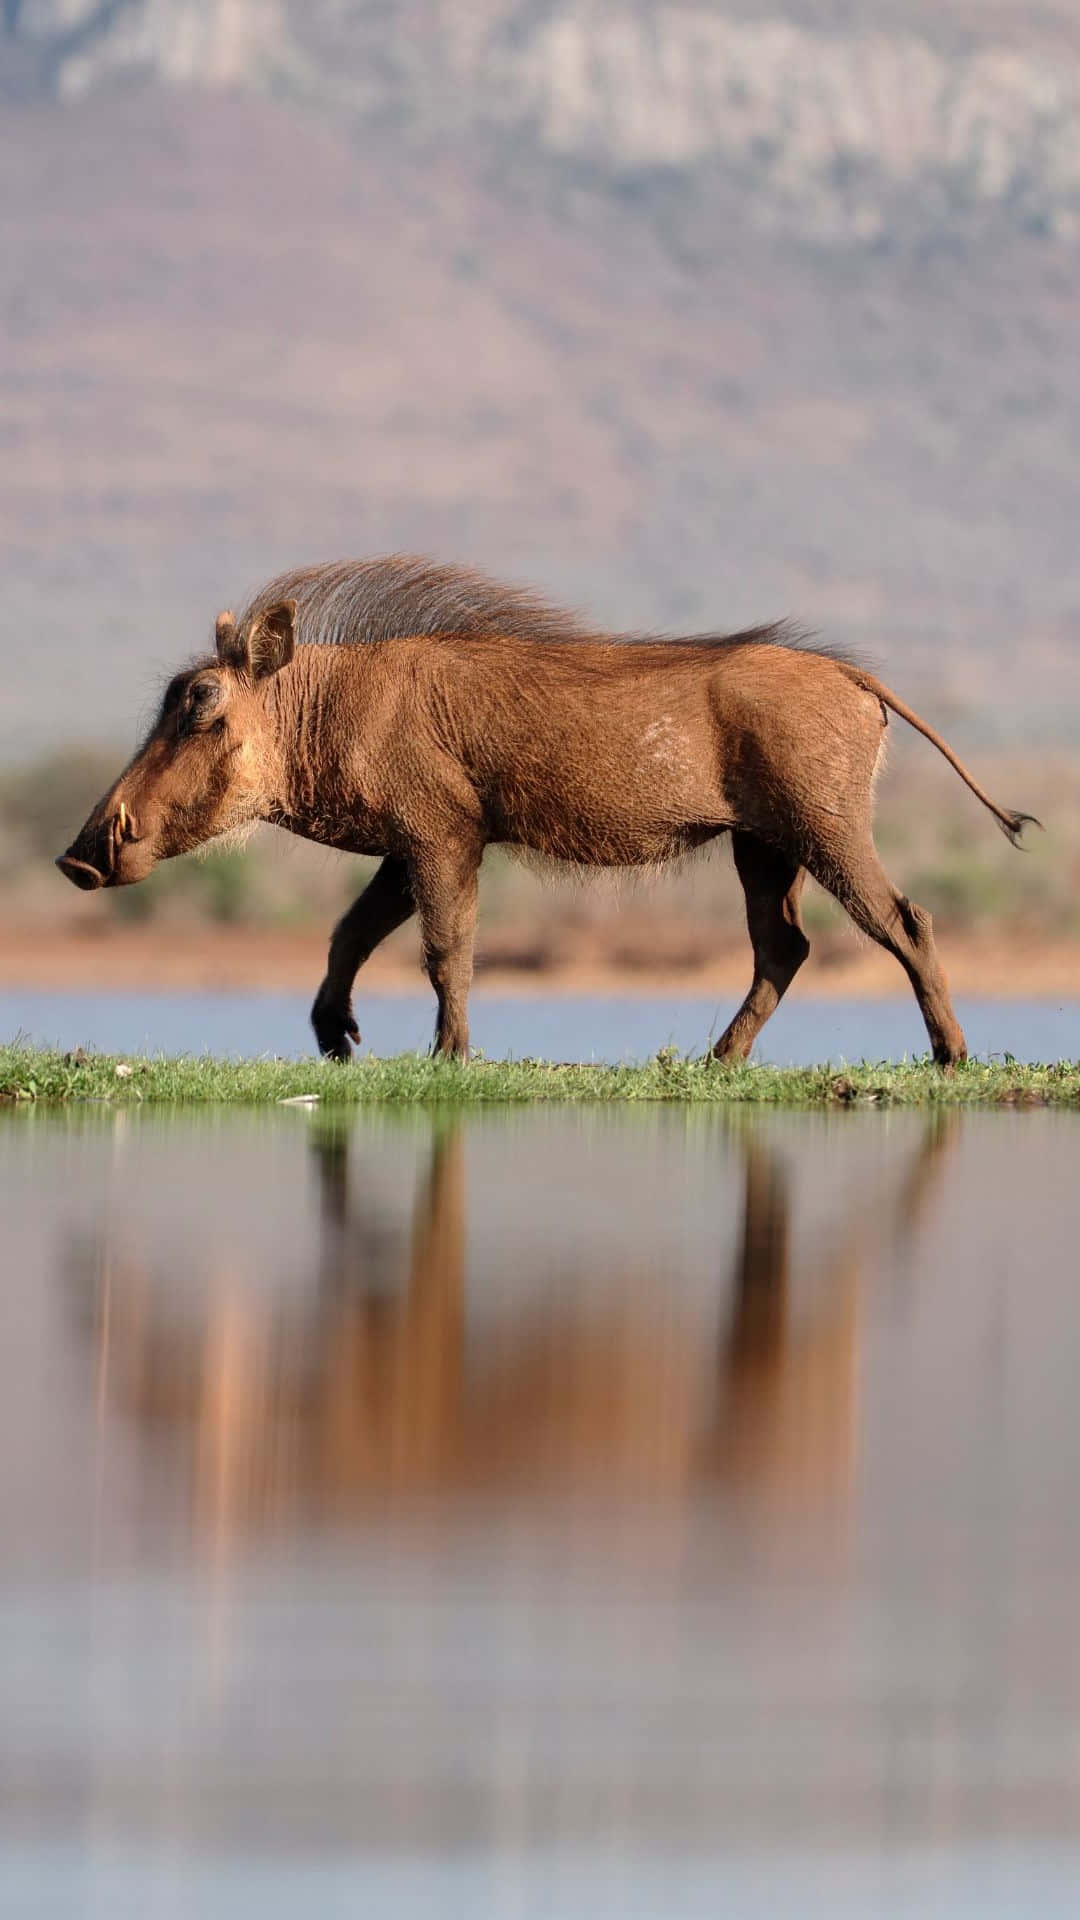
pixel 79 872
pixel 92 858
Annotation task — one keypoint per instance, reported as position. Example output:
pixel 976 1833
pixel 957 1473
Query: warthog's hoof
pixel 335 1029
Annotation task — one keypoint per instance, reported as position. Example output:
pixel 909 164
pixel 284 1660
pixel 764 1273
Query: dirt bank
pixel 205 958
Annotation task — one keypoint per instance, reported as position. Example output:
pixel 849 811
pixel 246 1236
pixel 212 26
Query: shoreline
pixel 237 959
pixel 32 1077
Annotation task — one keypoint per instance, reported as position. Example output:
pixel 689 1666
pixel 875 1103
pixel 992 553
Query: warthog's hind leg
pixel 772 882
pixel 864 889
pixel 385 903
pixel 444 884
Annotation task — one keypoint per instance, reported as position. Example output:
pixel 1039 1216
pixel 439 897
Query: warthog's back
pixel 628 753
pixel 588 748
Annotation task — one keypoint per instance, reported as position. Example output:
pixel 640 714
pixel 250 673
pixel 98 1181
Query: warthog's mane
pixel 356 602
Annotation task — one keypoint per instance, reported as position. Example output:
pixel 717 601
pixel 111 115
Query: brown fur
pixel 481 716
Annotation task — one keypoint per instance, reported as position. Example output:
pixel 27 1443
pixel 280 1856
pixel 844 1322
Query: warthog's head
pixel 210 763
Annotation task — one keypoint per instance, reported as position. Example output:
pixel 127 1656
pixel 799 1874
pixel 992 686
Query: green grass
pixel 27 1074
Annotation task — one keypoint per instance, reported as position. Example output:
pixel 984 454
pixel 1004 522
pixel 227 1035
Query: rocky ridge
pixel 839 136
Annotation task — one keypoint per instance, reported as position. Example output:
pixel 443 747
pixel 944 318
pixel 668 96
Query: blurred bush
pixel 42 805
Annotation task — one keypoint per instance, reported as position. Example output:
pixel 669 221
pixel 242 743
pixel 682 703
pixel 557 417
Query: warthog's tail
pixel 1012 824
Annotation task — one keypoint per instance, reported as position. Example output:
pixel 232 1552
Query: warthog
pixel 423 713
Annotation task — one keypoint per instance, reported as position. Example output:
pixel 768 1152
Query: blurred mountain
pixel 689 315
pixel 840 125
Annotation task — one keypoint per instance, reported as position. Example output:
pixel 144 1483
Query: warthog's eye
pixel 200 705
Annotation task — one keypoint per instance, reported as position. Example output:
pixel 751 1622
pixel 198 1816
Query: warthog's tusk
pixel 122 818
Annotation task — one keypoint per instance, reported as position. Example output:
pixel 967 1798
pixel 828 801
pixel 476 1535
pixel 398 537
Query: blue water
pixel 636 1512
pixel 566 1027
pixel 1001 1882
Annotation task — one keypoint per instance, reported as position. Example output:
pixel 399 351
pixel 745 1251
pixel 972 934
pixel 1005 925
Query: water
pixel 803 1032
pixel 532 1514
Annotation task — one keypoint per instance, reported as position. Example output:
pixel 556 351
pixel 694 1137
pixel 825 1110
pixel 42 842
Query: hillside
pixel 688 317
pixel 840 124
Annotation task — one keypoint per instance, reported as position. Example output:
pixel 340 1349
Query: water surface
pixel 612 1028
pixel 638 1512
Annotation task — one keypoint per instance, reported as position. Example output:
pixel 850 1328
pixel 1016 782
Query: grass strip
pixel 28 1074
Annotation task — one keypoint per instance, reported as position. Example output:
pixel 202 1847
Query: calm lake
pixel 539 1513
pixel 804 1032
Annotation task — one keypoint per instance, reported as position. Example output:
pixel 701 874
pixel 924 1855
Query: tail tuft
pixel 1013 824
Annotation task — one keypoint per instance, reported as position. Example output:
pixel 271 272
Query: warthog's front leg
pixel 773 884
pixel 444 884
pixel 385 903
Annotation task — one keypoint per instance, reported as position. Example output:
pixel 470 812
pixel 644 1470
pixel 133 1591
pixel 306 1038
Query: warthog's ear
pixel 271 639
pixel 264 646
pixel 228 651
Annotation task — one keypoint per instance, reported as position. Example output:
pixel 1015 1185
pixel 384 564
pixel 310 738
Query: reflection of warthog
pixel 382 1389
pixel 790 1412
pixel 481 717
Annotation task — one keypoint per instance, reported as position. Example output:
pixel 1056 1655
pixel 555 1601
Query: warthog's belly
pixel 584 843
